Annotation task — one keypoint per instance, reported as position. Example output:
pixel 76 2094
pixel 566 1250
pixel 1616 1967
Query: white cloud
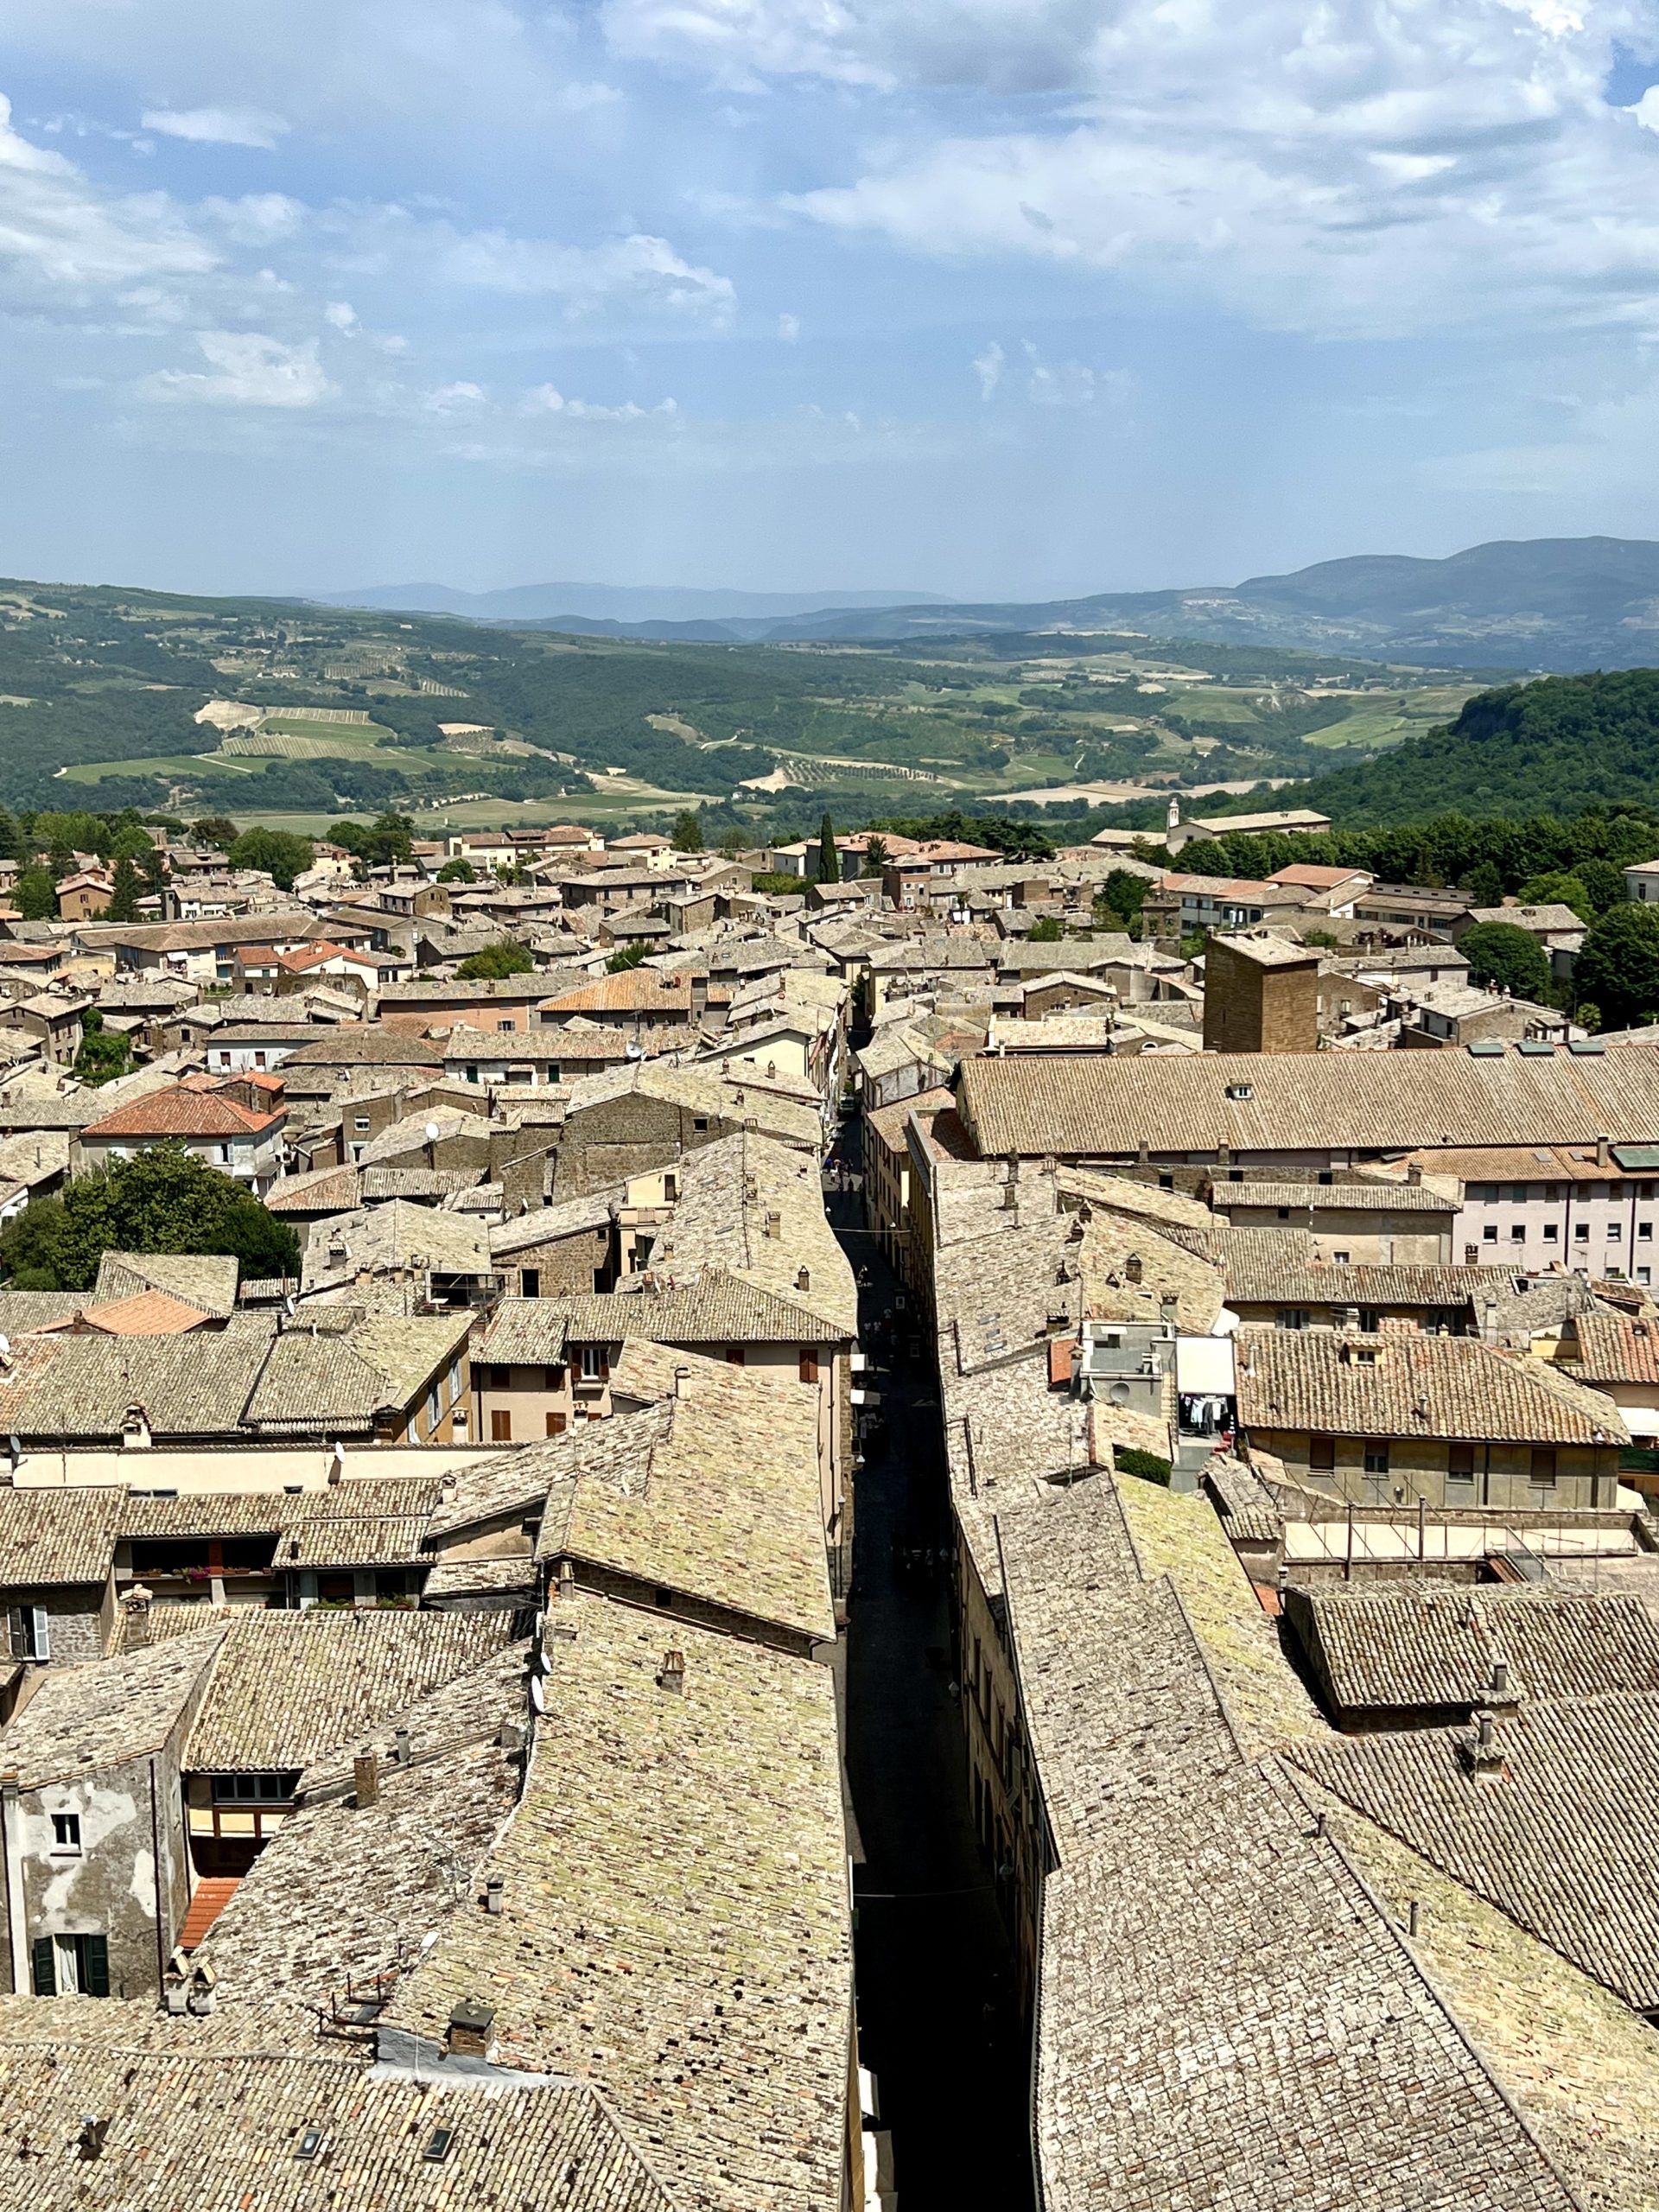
pixel 1067 384
pixel 458 398
pixel 548 399
pixel 638 269
pixel 59 233
pixel 789 328
pixel 217 126
pixel 1347 169
pixel 987 367
pixel 245 370
pixel 342 316
pixel 258 218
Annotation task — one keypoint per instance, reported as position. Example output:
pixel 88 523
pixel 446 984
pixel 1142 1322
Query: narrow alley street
pixel 937 2022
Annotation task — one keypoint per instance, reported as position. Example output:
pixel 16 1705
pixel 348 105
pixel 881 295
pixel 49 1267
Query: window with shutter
pixel 45 1968
pixel 95 1966
pixel 500 1427
pixel 17 1624
pixel 42 1635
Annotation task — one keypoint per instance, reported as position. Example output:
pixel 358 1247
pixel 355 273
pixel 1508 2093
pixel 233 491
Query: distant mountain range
pixel 1550 603
pixel 627 607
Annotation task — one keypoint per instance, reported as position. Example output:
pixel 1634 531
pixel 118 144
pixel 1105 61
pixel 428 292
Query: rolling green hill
pixel 1555 747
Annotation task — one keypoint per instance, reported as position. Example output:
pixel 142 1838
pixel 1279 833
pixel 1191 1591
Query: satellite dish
pixel 432 1133
pixel 538 1696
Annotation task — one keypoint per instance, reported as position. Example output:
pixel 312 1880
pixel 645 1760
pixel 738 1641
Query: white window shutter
pixel 42 1634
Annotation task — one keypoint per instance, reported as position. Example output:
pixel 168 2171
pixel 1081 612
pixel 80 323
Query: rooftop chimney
pixel 673 1674
pixel 365 1775
pixel 1604 1151
pixel 494 1895
pixel 803 1279
pixel 137 1605
pixel 1134 1267
pixel 400 1746
pixel 774 1224
pixel 470 2025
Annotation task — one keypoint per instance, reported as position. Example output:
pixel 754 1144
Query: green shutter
pixel 46 1967
pixel 96 1965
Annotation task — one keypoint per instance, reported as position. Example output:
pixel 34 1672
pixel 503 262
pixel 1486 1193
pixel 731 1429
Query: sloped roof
pixel 679 1861
pixel 1434 1646
pixel 218 2132
pixel 1562 1836
pixel 80 1718
pixel 290 1687
pixel 203 1279
pixel 1106 1107
pixel 182 1112
pixel 1225 2014
pixel 57 1536
pixel 1452 1386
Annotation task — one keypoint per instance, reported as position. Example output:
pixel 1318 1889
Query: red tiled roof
pixel 183 1112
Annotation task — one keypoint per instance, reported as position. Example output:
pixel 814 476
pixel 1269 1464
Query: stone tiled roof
pixel 203 1279
pixel 80 1718
pixel 700 1092
pixel 1105 1107
pixel 1560 1834
pixel 1269 1266
pixel 717 1308
pixel 1225 2015
pixel 1616 1348
pixel 342 1381
pixel 220 2133
pixel 350 1889
pixel 57 1536
pixel 1399 1649
pixel 1337 1198
pixel 394 1235
pixel 752 1210
pixel 322 1190
pixel 675 1926
pixel 729 1512
pixel 289 1687
pixel 545 1225
pixel 1414 1386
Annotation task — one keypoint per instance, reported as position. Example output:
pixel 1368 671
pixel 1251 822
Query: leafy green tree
pixel 687 831
pixel 153 869
pixel 131 844
pixel 123 897
pixel 61 862
pixel 1618 967
pixel 11 841
pixel 215 830
pixel 875 856
pixel 278 853
pixel 162 1200
pixel 1122 895
pixel 457 871
pixel 1604 882
pixel 1047 930
pixel 1484 886
pixel 103 1054
pixel 828 858
pixel 497 962
pixel 625 956
pixel 36 894
pixel 1555 888
pixel 1499 953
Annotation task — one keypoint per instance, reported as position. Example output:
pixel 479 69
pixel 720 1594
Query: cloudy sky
pixel 1001 297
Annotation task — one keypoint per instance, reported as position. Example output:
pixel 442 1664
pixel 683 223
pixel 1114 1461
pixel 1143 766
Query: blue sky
pixel 1000 297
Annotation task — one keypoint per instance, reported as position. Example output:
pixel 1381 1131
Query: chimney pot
pixel 365 1774
pixel 494 1895
pixel 400 1752
pixel 673 1674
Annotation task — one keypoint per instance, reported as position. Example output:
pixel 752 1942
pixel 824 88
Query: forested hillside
pixel 1555 747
